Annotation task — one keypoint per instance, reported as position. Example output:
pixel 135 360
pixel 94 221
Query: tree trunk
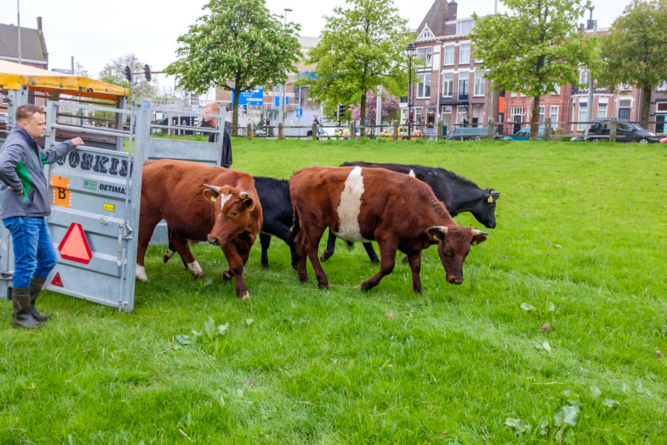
pixel 535 119
pixel 235 113
pixel 362 115
pixel 646 106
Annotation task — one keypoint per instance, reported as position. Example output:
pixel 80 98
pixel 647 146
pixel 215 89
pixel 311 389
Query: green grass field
pixel 553 337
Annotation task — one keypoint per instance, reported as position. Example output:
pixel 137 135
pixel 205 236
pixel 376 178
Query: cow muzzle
pixel 451 279
pixel 213 241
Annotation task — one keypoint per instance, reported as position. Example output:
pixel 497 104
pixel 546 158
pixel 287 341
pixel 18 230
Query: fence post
pixel 394 136
pixel 613 126
pixel 280 131
pixel 438 135
pixel 248 132
pixel 490 129
pixel 353 131
pixel 314 134
pixel 547 129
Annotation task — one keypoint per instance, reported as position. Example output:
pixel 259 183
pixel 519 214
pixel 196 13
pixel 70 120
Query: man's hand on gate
pixel 77 141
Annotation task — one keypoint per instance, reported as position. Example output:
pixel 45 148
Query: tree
pixel 360 48
pixel 237 46
pixel 635 50
pixel 389 108
pixel 535 48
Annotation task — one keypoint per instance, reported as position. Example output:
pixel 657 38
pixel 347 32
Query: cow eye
pixel 233 214
pixel 448 252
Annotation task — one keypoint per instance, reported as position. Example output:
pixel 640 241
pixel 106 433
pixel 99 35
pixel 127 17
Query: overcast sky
pixel 94 34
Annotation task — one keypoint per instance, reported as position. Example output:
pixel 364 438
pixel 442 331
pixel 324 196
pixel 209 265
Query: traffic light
pixel 245 109
pixel 268 121
pixel 128 73
pixel 412 116
pixel 341 110
pixel 147 72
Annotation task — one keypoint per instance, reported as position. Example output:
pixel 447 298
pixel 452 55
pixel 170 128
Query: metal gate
pixel 195 151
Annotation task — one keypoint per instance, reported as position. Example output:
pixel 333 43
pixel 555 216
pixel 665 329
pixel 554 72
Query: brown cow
pixel 200 203
pixel 365 204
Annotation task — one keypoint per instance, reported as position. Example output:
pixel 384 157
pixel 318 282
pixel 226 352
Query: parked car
pixel 663 141
pixel 626 131
pixel 402 132
pixel 524 134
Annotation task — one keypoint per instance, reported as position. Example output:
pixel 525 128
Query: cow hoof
pixel 406 260
pixel 200 276
pixel 375 260
pixel 227 275
pixel 303 280
pixel 245 296
pixel 167 255
pixel 140 274
pixel 323 286
pixel 325 256
pixel 142 279
pixel 366 286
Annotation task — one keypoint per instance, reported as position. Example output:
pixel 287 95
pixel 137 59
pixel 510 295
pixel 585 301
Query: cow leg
pixel 299 244
pixel 236 269
pixel 388 250
pixel 182 246
pixel 371 253
pixel 331 247
pixel 147 225
pixel 171 250
pixel 313 235
pixel 282 232
pixel 415 260
pixel 265 241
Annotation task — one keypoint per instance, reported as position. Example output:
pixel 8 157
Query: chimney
pixel 452 10
pixel 39 23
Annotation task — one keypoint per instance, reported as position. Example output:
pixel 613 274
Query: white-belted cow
pixel 365 204
pixel 200 203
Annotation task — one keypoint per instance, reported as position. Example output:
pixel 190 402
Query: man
pixel 24 206
pixel 212 122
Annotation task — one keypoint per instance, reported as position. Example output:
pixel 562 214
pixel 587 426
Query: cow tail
pixel 296 223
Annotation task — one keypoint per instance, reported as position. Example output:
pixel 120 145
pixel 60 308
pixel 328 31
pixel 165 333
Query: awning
pixel 14 76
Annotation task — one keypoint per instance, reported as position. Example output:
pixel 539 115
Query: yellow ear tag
pixel 474 243
pixel 212 198
pixel 490 199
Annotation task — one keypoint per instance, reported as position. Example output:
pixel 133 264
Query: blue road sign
pixel 299 112
pixel 279 100
pixel 254 97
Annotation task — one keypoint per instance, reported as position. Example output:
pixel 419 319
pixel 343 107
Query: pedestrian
pixel 25 206
pixel 212 122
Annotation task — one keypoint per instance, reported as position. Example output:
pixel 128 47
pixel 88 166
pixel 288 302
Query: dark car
pixel 626 131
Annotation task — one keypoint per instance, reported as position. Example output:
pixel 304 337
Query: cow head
pixel 453 248
pixel 233 209
pixel 484 209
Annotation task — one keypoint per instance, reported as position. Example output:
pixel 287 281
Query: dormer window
pixel 464 27
pixel 425 56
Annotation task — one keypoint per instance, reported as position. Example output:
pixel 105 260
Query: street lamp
pixel 437 95
pixel 285 84
pixel 410 51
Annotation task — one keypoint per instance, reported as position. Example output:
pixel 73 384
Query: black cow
pixel 458 194
pixel 274 197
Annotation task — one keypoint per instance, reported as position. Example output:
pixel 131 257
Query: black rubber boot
pixel 23 309
pixel 35 288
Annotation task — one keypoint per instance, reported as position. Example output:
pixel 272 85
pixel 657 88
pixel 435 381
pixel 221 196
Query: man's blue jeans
pixel 34 255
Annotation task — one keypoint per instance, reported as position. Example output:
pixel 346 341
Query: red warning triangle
pixel 57 281
pixel 74 246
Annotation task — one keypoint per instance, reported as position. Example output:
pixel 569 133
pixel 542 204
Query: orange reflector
pixel 57 281
pixel 74 246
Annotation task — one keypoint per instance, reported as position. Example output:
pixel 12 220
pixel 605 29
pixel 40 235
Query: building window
pixel 464 78
pixel 583 77
pixel 557 90
pixel 425 56
pixel 602 109
pixel 464 26
pixel 554 115
pixel 662 86
pixel 661 107
pixel 449 55
pixel 541 114
pixel 480 82
pixel 517 112
pixel 464 54
pixel 448 84
pixel 583 116
pixel 424 86
pixel 418 115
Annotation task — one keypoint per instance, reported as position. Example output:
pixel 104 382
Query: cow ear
pixel 248 201
pixel 210 195
pixel 437 232
pixel 478 237
pixel 495 195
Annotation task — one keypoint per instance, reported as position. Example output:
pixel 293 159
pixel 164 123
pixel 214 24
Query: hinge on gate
pixel 127 234
pixel 6 275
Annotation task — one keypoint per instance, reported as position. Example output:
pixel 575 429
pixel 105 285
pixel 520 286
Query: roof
pixel 435 18
pixel 33 47
pixel 14 76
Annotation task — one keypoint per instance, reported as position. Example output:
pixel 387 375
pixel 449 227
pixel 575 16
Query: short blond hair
pixel 213 106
